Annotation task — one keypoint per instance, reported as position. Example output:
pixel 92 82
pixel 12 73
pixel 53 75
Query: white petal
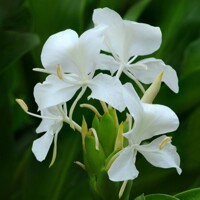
pixel 123 168
pixel 154 67
pixel 55 49
pixel 108 89
pixel 132 101
pixel 141 39
pixel 132 38
pixel 84 53
pixel 106 16
pixel 156 120
pixel 53 91
pixel 107 62
pixel 42 145
pixel 114 31
pixel 46 124
pixel 167 157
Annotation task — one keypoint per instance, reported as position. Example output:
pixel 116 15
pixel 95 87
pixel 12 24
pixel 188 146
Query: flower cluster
pixel 95 61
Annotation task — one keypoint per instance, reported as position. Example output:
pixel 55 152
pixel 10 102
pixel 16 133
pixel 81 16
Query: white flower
pixel 149 120
pixel 75 58
pixel 52 122
pixel 126 40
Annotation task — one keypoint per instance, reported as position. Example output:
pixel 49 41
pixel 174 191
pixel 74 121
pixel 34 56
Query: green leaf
pixel 160 197
pixel 187 98
pixel 191 62
pixel 190 138
pixel 53 183
pixel 193 194
pixel 136 10
pixel 14 45
pixel 141 197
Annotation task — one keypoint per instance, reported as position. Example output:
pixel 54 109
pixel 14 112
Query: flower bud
pixel 153 90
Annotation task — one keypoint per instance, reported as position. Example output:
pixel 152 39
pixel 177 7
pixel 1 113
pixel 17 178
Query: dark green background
pixel 24 27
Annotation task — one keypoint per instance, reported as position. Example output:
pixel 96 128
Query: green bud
pixel 93 159
pixel 153 90
pixel 106 128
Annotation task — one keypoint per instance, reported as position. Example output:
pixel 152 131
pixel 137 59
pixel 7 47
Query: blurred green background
pixel 24 27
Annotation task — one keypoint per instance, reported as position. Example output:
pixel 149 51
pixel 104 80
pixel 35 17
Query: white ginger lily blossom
pixel 75 58
pixel 51 124
pixel 149 120
pixel 126 40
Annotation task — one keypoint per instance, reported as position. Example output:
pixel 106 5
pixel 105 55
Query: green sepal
pixel 108 189
pixel 106 128
pixel 93 159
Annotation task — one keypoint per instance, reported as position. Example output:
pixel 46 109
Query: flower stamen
pixel 59 72
pixel 164 142
pixel 92 108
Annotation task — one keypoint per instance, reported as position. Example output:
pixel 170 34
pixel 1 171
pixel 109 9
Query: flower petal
pixel 154 67
pixel 156 120
pixel 53 91
pixel 108 89
pixel 107 62
pixel 123 168
pixel 165 157
pixel 47 124
pixel 132 101
pixel 132 38
pixel 141 39
pixel 55 50
pixel 83 54
pixel 42 145
pixel 114 32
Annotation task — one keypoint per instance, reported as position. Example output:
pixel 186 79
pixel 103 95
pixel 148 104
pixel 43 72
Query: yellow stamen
pixel 59 71
pixel 22 104
pixel 164 142
pixel 92 108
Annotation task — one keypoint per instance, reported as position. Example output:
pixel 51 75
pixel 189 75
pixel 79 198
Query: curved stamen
pixel 74 105
pixel 92 108
pixel 104 106
pixel 164 142
pixel 131 60
pixel 25 108
pixel 54 150
pixel 136 81
pixel 122 189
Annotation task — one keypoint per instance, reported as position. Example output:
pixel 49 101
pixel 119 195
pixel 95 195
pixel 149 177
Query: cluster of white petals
pixel 75 64
pixel 149 120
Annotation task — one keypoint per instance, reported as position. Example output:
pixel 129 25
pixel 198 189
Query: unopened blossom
pixel 126 40
pixel 72 63
pixel 149 120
